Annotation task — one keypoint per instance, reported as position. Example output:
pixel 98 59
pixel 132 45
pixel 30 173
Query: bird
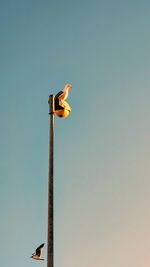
pixel 61 97
pixel 37 254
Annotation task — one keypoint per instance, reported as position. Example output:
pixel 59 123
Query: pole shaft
pixel 50 243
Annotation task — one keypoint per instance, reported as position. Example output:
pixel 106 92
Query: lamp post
pixel 50 236
pixel 59 108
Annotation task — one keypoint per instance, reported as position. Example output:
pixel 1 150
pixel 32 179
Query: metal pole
pixel 50 236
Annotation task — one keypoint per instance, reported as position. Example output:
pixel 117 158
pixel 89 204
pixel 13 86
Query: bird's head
pixel 68 86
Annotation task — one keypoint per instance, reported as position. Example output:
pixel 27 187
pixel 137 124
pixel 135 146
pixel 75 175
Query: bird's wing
pixel 38 250
pixel 59 94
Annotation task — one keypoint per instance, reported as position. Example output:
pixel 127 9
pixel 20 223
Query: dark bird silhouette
pixel 37 254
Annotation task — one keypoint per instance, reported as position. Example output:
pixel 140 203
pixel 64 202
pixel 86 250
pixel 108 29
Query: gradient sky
pixel 102 150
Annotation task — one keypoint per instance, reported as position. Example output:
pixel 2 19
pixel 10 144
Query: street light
pixel 59 107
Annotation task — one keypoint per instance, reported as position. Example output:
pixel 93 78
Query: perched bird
pixel 37 254
pixel 61 97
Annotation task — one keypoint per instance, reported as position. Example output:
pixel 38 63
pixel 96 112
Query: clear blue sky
pixel 102 150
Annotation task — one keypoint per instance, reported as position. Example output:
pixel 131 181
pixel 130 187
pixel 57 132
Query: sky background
pixel 102 150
